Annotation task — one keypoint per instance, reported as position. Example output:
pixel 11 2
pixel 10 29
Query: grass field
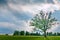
pixel 29 38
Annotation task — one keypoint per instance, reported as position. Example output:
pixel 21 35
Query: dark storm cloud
pixel 6 30
pixel 3 2
pixel 50 1
pixel 22 15
pixel 21 1
pixel 38 1
pixel 27 1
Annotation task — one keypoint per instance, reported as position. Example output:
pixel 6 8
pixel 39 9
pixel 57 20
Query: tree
pixel 27 33
pixel 50 34
pixel 55 34
pixel 22 33
pixel 6 34
pixel 58 34
pixel 43 21
pixel 16 33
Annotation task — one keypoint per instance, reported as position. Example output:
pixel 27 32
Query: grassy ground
pixel 28 38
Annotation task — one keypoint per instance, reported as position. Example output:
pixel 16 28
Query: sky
pixel 16 14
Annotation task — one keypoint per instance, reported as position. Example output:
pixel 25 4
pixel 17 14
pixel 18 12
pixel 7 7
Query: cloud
pixel 16 14
pixel 56 1
pixel 22 15
pixel 55 28
pixel 24 2
pixel 13 21
pixel 3 2
pixel 34 8
pixel 50 1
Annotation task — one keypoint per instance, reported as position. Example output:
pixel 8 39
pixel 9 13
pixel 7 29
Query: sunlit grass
pixel 29 38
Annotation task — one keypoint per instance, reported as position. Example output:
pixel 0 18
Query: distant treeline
pixel 53 34
pixel 18 33
pixel 25 33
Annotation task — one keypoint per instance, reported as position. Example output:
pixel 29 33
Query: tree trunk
pixel 45 34
pixel 45 31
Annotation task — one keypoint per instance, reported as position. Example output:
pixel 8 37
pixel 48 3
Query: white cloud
pixel 25 26
pixel 34 8
pixel 7 25
pixel 54 27
pixel 17 24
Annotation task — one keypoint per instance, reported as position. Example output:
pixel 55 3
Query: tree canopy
pixel 43 21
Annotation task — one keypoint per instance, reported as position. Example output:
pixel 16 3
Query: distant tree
pixel 22 33
pixel 37 34
pixel 43 21
pixel 55 34
pixel 16 33
pixel 58 34
pixel 6 34
pixel 34 34
pixel 27 33
pixel 50 33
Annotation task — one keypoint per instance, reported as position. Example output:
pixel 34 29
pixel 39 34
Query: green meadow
pixel 29 38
